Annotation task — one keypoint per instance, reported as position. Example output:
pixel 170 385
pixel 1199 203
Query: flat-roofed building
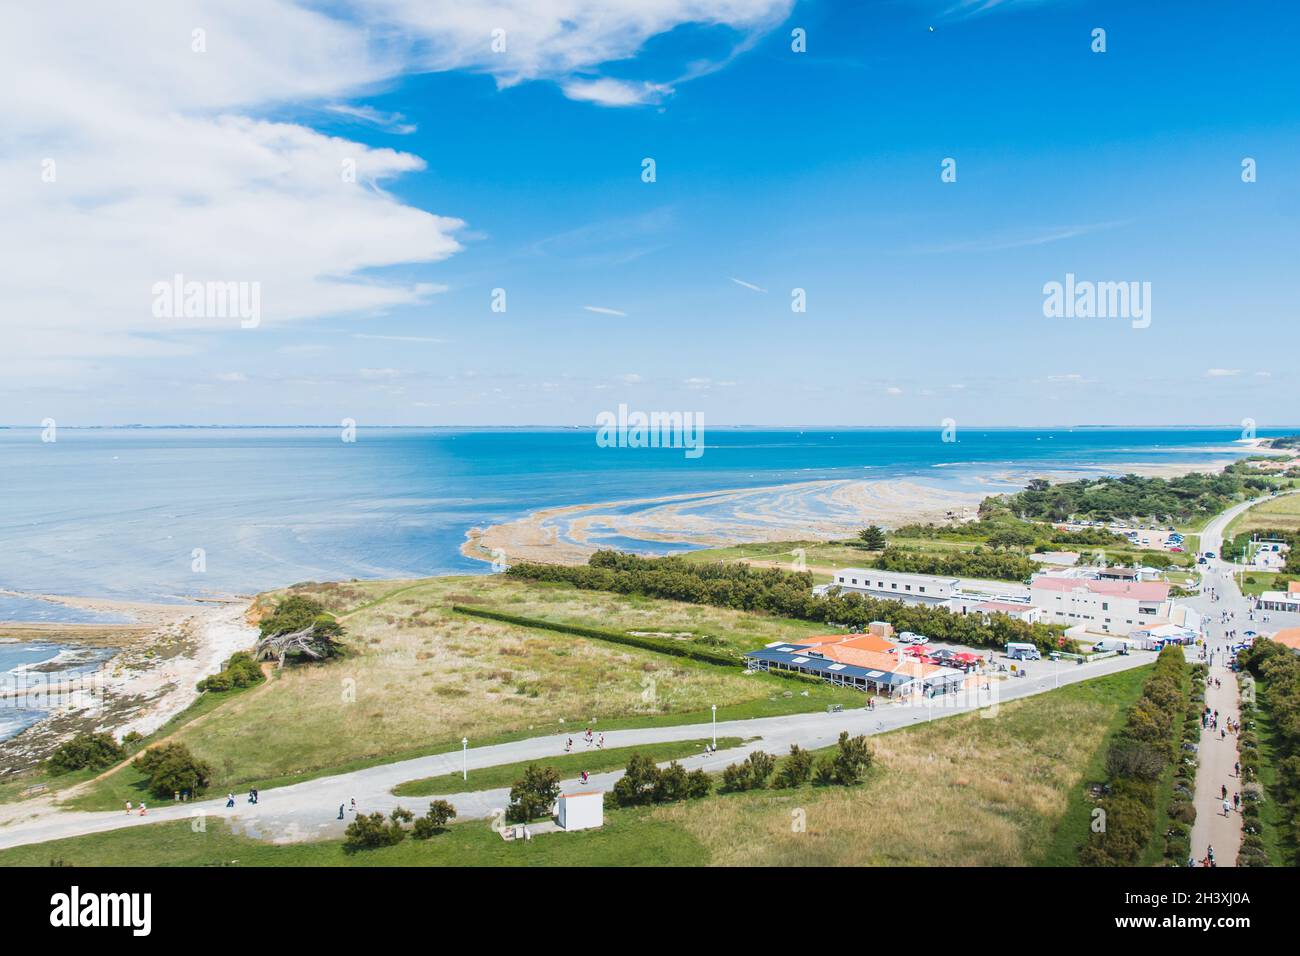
pixel 1105 607
pixel 896 585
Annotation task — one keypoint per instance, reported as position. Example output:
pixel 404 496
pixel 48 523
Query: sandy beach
pixel 798 511
pixel 150 677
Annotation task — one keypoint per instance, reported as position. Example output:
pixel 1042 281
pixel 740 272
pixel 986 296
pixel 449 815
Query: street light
pixel 464 758
pixel 714 707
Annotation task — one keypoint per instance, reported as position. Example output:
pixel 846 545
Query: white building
pixel 896 585
pixel 1018 610
pixel 580 811
pixel 1104 607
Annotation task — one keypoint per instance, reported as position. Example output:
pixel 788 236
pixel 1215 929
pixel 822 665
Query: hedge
pixel 601 634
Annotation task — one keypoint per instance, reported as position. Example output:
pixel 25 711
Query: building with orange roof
pixel 864 661
pixel 1290 636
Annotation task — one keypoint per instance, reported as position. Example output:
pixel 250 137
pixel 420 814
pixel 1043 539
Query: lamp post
pixel 714 708
pixel 464 758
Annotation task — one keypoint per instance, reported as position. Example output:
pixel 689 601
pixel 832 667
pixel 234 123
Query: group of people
pixel 351 809
pixel 252 798
pixel 589 738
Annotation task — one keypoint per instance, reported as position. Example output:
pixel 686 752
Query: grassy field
pixel 964 791
pixel 568 765
pixel 418 678
pixel 629 836
pixel 1283 512
pixel 1257 582
pixel 960 791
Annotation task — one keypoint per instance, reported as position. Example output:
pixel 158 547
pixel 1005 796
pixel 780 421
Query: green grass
pixel 112 792
pixel 568 765
pixel 959 791
pixel 421 677
pixel 1118 692
pixel 629 837
pixel 1273 825
pixel 1257 582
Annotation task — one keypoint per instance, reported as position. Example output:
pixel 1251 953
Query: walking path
pixel 309 810
pixel 1217 757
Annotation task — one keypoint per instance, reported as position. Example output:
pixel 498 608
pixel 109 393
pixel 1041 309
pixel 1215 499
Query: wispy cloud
pixel 1222 372
pixel 1039 238
pixel 603 311
pixel 389 122
pixel 398 338
pixel 747 285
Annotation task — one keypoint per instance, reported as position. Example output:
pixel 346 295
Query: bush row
pixel 784 593
pixel 1277 669
pixel 1138 756
pixel 677 648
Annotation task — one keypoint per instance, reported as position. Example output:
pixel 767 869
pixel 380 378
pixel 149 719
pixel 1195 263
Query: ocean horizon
pixel 165 513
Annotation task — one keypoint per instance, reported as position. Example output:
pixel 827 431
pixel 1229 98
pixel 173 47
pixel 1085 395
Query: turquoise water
pixel 23 679
pixel 119 512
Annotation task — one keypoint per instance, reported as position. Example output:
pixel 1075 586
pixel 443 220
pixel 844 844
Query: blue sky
pixel 775 170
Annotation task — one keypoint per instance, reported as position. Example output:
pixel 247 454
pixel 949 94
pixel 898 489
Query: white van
pixel 1023 652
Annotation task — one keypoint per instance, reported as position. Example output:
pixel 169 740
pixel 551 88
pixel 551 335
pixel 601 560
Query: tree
pixel 369 831
pixel 852 759
pixel 698 784
pixel 85 750
pixel 533 795
pixel 171 768
pixel 639 783
pixel 873 537
pixel 434 821
pixel 298 627
pixel 797 768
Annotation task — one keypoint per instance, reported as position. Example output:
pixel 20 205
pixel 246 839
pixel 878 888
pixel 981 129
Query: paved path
pixel 309 810
pixel 1217 756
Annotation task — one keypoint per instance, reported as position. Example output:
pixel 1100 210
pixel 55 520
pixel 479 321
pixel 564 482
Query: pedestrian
pixel 1236 768
pixel 1227 808
pixel 1225 792
pixel 1236 801
pixel 353 807
pixel 141 808
pixel 340 811
pixel 128 808
pixel 601 745
pixel 230 800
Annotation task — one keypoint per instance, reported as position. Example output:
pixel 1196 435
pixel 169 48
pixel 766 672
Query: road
pixel 1217 756
pixel 309 810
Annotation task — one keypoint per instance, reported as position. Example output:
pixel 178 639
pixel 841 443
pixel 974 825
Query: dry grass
pixel 965 791
pixel 1281 513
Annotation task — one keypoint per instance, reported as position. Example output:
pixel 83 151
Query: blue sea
pixel 120 512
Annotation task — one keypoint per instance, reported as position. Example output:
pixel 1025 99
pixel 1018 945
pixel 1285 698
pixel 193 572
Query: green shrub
pixel 171 768
pixel 85 750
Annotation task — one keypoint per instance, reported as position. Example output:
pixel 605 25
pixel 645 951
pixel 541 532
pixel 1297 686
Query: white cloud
pixel 610 92
pixel 380 374
pixel 894 390
pixel 163 162
pixel 1222 372
pixel 603 311
pixel 747 285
